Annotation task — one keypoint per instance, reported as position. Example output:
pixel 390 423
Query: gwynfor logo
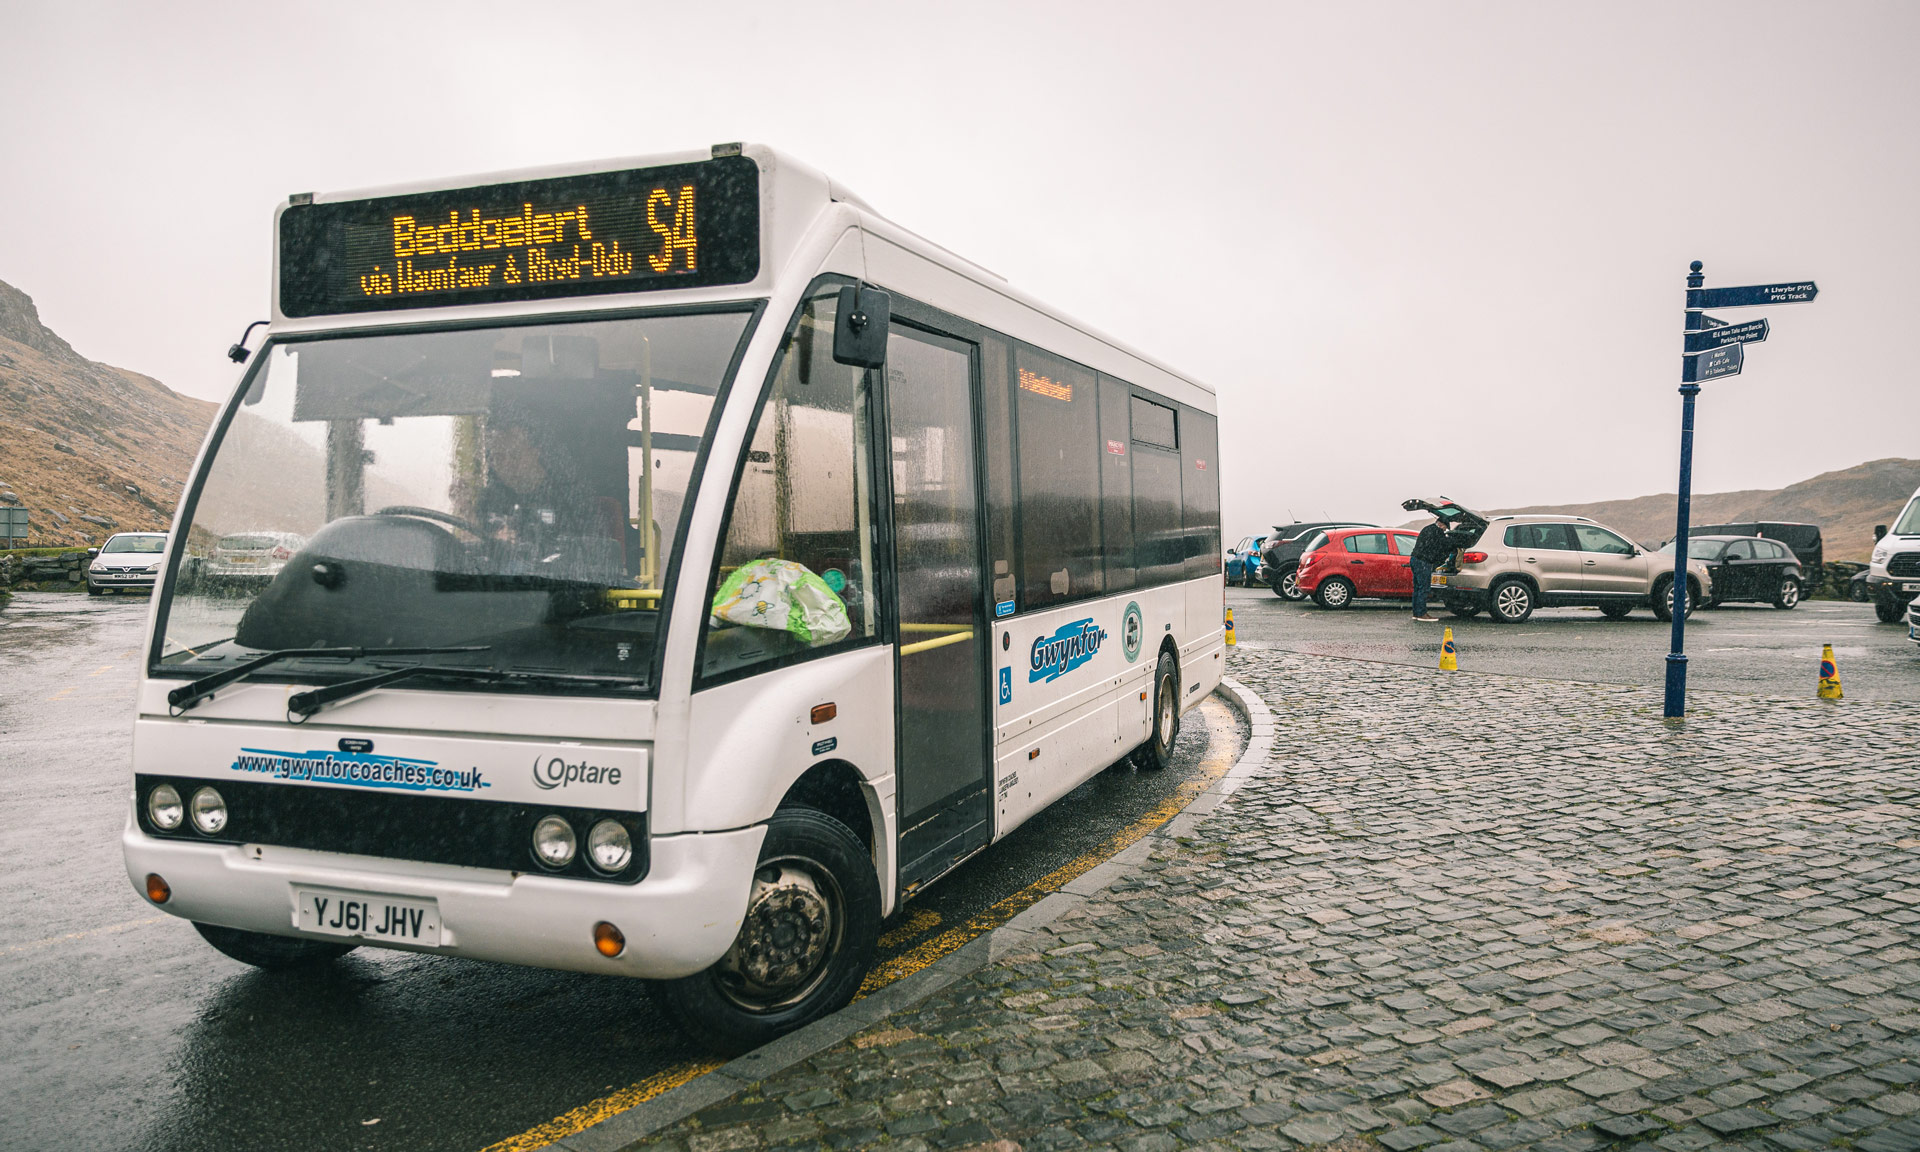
pixel 361 770
pixel 1132 631
pixel 1070 646
pixel 550 772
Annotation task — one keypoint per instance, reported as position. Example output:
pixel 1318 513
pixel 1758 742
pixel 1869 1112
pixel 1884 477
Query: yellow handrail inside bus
pixel 629 599
pixel 936 627
pixel 936 642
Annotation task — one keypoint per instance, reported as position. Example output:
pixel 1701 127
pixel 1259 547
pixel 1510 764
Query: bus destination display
pixel 689 225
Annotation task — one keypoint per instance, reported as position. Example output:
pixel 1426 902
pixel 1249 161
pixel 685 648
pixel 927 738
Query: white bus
pixel 696 566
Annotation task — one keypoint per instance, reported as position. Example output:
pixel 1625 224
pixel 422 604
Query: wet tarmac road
pixel 1737 647
pixel 123 1030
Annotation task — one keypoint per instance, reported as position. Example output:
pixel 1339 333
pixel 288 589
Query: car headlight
pixel 609 846
pixel 553 842
pixel 209 811
pixel 164 808
pixel 1880 555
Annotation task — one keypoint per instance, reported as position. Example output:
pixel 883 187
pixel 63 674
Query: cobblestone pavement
pixel 1454 912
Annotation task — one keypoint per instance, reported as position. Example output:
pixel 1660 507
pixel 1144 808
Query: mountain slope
pixel 89 448
pixel 1846 504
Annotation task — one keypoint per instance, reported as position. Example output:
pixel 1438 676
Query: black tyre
pixel 1888 610
pixel 1464 611
pixel 1157 753
pixel 1286 586
pixel 1511 602
pixel 272 953
pixel 805 944
pixel 1857 591
pixel 1788 595
pixel 1615 611
pixel 1662 599
pixel 1334 592
pixel 92 588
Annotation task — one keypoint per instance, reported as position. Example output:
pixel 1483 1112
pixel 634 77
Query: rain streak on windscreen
pixel 515 488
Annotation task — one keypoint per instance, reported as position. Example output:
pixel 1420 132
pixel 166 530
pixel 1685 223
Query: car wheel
pixel 1888 609
pixel 1789 593
pixel 1615 611
pixel 1464 611
pixel 805 943
pixel 1157 753
pixel 92 588
pixel 1662 598
pixel 1512 602
pixel 1334 592
pixel 1287 585
pixel 272 953
pixel 1857 591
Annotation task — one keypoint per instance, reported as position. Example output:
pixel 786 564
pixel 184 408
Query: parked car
pixel 1243 561
pixel 1893 575
pixel 1348 564
pixel 1804 539
pixel 1280 555
pixel 126 560
pixel 251 555
pixel 1518 563
pixel 1750 568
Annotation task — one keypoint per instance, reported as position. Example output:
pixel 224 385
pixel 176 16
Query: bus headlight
pixel 608 846
pixel 164 808
pixel 209 811
pixel 553 842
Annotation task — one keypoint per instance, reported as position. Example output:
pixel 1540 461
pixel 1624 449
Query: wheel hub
pixel 785 937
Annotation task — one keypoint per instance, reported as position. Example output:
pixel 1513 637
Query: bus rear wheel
pixel 1157 753
pixel 805 944
pixel 272 953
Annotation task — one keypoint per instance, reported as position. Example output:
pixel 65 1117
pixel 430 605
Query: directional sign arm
pixel 1754 295
pixel 1710 365
pixel 1751 332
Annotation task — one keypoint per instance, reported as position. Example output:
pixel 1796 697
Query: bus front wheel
pixel 805 943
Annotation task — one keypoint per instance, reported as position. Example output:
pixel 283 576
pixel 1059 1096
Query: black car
pixel 1748 568
pixel 1280 554
pixel 1803 539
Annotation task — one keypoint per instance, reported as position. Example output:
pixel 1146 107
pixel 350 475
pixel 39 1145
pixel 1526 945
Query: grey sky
pixel 1418 248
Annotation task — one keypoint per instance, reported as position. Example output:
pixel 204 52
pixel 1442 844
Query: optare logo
pixel 557 772
pixel 1070 646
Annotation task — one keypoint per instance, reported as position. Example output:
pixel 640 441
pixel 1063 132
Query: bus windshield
pixel 515 490
pixel 1909 522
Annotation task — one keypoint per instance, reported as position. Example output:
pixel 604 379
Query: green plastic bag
pixel 782 596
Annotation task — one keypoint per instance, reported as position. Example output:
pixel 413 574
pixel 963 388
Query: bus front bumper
pixel 677 921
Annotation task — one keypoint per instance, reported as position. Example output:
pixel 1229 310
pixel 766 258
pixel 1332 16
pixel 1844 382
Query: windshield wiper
pixel 189 694
pixel 305 704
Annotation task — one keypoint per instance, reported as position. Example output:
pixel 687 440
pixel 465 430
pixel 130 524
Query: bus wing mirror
pixel 860 327
pixel 1879 531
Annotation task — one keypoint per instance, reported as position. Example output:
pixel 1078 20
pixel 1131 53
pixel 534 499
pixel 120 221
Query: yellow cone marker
pixel 1448 660
pixel 1230 640
pixel 1829 674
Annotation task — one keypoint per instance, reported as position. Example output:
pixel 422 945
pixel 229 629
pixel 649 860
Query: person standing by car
pixel 1430 550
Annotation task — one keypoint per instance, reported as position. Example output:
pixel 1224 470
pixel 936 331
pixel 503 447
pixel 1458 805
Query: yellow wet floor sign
pixel 1449 660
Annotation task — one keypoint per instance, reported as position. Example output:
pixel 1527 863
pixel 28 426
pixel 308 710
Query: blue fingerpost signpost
pixel 1713 349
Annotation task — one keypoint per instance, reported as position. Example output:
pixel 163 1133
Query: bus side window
pixel 797 566
pixel 1116 482
pixel 1056 409
pixel 996 403
pixel 1200 491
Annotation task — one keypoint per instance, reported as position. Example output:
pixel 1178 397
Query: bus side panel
pixel 750 740
pixel 1203 651
pixel 1067 693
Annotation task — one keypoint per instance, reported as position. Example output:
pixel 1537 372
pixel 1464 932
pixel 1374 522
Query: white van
pixel 1893 578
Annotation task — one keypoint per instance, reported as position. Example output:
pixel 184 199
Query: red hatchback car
pixel 1374 563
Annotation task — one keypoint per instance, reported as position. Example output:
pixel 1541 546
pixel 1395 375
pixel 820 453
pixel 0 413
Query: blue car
pixel 1243 562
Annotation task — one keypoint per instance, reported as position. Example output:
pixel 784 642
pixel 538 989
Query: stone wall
pixel 56 572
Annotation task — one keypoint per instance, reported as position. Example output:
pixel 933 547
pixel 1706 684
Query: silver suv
pixel 1519 563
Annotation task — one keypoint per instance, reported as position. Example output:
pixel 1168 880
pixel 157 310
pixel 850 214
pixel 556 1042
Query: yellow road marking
pixel 102 668
pixel 63 693
pixel 121 927
pixel 1218 758
pixel 587 1115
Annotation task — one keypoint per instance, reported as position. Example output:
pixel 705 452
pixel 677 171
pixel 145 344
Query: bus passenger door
pixel 943 723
